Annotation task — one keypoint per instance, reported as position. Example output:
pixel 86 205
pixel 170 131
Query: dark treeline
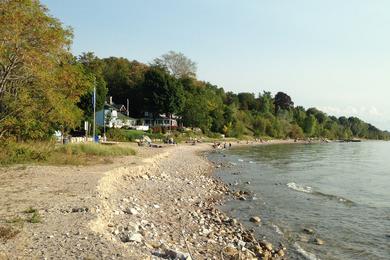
pixel 161 87
pixel 44 88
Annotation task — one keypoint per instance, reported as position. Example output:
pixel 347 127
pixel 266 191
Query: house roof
pixel 118 109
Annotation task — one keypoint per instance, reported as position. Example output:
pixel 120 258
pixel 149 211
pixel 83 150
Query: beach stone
pixel 308 231
pixel 280 253
pixel 258 249
pixel 131 211
pixel 241 243
pixel 230 250
pixel 266 255
pixel 242 198
pixel 173 254
pixel 132 227
pixel 255 219
pixel 319 241
pixel 74 210
pixel 267 245
pixel 303 238
pixel 136 237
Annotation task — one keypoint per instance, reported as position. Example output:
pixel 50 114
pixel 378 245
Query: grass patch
pixel 7 232
pixel 15 220
pixel 96 149
pixel 30 210
pixel 34 218
pixel 50 153
pixel 125 135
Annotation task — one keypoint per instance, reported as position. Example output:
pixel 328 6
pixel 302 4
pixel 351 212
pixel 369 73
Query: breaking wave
pixel 308 189
pixel 304 253
pixel 277 229
pixel 301 188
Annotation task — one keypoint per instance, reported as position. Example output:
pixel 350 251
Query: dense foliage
pixel 40 81
pixel 44 88
pixel 154 88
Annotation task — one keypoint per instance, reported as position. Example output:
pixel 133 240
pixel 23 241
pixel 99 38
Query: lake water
pixel 339 190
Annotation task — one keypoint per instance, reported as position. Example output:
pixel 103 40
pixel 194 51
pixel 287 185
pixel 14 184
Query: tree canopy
pixel 40 81
pixel 43 88
pixel 177 64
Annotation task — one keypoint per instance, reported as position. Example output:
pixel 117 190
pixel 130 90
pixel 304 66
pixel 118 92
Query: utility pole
pixel 104 124
pixel 127 108
pixel 94 112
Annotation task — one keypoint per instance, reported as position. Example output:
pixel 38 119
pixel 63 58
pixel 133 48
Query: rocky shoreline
pixel 170 211
pixel 162 204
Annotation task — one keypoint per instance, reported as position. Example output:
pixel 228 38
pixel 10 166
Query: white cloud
pixel 364 112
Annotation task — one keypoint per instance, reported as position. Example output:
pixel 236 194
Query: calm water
pixel 340 190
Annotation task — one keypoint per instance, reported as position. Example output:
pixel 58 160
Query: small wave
pixel 277 229
pixel 240 160
pixel 297 187
pixel 304 253
pixel 335 197
pixel 308 189
pixel 251 162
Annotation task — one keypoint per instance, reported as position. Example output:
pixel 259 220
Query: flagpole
pixel 94 113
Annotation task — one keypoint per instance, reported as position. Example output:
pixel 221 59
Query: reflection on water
pixel 340 191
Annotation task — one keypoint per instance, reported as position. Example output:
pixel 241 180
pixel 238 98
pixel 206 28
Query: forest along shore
pixel 162 206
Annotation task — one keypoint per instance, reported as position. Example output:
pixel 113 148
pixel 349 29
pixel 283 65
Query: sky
pixel 329 54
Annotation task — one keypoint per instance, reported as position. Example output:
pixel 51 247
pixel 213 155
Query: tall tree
pixel 94 66
pixel 247 101
pixel 266 102
pixel 177 64
pixel 40 81
pixel 282 101
pixel 163 93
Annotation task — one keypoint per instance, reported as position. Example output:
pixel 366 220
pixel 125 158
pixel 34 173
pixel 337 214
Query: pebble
pixel 131 211
pixel 74 210
pixel 319 241
pixel 255 219
pixel 136 237
pixel 308 231
pixel 230 250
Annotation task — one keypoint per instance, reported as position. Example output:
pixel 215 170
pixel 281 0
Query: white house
pixel 111 116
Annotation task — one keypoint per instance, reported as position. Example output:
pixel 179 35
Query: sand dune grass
pixel 51 153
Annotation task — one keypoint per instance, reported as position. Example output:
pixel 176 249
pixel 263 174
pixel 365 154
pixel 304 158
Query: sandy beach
pixel 160 204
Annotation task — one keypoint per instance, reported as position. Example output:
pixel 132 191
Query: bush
pixel 122 135
pixel 13 152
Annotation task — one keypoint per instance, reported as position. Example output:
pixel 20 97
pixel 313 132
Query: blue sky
pixel 331 54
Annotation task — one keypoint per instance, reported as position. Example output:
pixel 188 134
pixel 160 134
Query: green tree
pixel 247 101
pixel 94 66
pixel 310 124
pixel 296 132
pixel 40 81
pixel 282 101
pixel 266 102
pixel 164 94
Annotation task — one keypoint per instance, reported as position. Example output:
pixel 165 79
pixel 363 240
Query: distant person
pixel 230 145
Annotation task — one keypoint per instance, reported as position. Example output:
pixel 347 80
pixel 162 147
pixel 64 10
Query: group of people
pixel 220 145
